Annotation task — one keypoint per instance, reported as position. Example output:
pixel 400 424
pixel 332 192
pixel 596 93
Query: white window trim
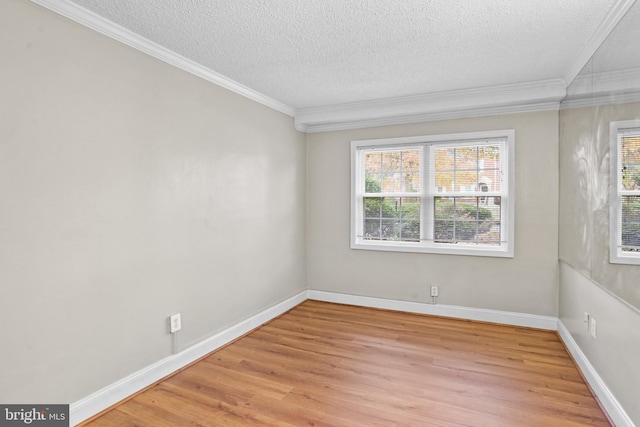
pixel 616 255
pixel 506 250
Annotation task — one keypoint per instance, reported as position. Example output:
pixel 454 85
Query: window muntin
pixel 625 192
pixel 440 194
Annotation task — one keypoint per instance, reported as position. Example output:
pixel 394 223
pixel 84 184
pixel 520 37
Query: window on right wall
pixel 625 192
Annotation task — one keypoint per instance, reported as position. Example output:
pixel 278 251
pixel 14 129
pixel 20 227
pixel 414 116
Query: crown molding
pixel 503 99
pixel 612 18
pixel 110 29
pixel 604 82
pixel 606 88
pixel 601 100
pixel 447 115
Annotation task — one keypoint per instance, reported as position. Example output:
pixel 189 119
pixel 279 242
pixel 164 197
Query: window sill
pixel 442 249
pixel 617 258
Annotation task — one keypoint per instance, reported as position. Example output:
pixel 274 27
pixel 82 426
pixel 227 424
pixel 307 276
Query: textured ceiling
pixel 316 53
pixel 613 73
pixel 621 50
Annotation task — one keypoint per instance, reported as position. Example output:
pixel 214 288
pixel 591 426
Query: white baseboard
pixel 607 399
pixel 112 394
pixel 458 312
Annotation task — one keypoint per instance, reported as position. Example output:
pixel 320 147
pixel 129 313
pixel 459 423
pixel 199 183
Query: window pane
pixel 444 180
pixel 466 157
pixel 466 231
pixel 410 208
pixel 444 158
pixel 411 182
pixel 411 160
pixel 371 229
pixel 489 180
pixel 466 180
pixel 390 230
pixel 379 207
pixel 390 207
pixel 489 168
pixel 372 207
pixel 373 183
pixel 631 163
pixel 489 156
pixel 490 220
pixel 630 224
pixel 392 171
pixel 443 232
pixel 410 231
pixel 392 218
pixel 391 182
pixel 443 207
pixel 467 169
pixel 444 225
pixel 372 162
pixel 391 161
pixel 444 168
pixel 467 220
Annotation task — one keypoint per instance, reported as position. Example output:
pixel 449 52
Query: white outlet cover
pixel 593 327
pixel 175 323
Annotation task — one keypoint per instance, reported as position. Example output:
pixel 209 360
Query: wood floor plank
pixel 331 365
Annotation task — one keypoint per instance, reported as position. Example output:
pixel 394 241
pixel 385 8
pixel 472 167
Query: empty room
pixel 320 213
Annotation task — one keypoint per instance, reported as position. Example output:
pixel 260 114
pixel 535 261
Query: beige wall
pixel 614 354
pixel 610 293
pixel 527 283
pixel 131 190
pixel 584 198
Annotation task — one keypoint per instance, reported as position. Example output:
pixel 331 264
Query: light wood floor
pixel 332 365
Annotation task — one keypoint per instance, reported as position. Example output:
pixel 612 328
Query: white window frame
pixel 426 245
pixel 617 131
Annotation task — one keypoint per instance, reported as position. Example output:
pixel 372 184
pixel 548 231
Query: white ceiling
pixel 613 73
pixel 316 57
pixel 621 50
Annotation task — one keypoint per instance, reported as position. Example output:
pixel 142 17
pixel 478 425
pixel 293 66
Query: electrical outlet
pixel 175 323
pixel 592 327
pixel 434 291
pixel 585 319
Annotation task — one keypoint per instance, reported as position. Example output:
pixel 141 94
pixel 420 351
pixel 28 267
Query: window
pixel 450 194
pixel 625 192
